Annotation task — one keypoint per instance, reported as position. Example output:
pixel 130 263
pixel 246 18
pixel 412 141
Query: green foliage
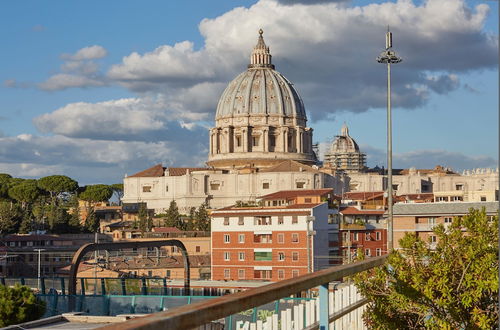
pixel 10 217
pixel 117 189
pixel 25 192
pixel 57 185
pixel 454 286
pixel 18 305
pixel 202 218
pixel 142 214
pixel 172 217
pixel 4 185
pixel 96 193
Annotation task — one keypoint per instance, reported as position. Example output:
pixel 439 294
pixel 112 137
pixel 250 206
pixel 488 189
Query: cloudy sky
pixel 99 89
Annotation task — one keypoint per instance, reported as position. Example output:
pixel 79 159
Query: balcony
pixel 425 226
pixel 317 313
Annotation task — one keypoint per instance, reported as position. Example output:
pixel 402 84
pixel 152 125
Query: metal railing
pixel 203 312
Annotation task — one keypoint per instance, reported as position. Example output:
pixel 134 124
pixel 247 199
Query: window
pixel 280 220
pixel 368 252
pixel 442 199
pixel 300 185
pixel 355 237
pixel 166 188
pixel 395 187
pixel 295 272
pixel 281 238
pixel 262 221
pixel 241 273
pixel 227 256
pixel 367 237
pixel 263 274
pixel 378 252
pixel 431 221
pixel 214 186
pixel 345 236
pixel 295 219
pixel 262 238
pixel 281 256
pixel 295 238
pixel 483 198
pixel 227 238
pixel 459 187
pixel 295 256
pixel 30 257
pixel 460 198
pixel 281 274
pixel 333 219
pixel 167 273
pixel 150 273
pixel 378 236
pixel 146 188
pixel 333 237
pixel 226 221
pixel 448 220
pixel 227 273
pixel 238 141
pixel 433 238
pixel 241 238
pixel 241 256
pixel 265 185
pixel 198 248
pixel 307 200
pixel 255 141
pixel 241 221
pixel 263 256
pixel 272 140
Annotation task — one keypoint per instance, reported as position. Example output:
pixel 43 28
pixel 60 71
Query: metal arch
pixel 77 258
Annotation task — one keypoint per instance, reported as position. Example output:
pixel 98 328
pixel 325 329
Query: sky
pixel 96 90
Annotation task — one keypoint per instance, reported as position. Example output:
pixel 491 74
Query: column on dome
pixel 244 138
pixel 284 135
pixel 265 139
pixel 229 139
pixel 298 141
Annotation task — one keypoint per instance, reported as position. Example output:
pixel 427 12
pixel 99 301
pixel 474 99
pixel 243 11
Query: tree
pixel 117 189
pixel 142 214
pixel 25 192
pixel 4 185
pixel 10 217
pixel 173 217
pixel 202 218
pixel 57 185
pixel 18 305
pixel 91 195
pixel 454 286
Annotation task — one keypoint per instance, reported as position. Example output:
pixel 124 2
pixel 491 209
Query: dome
pixel 344 142
pixel 260 90
pixel 260 119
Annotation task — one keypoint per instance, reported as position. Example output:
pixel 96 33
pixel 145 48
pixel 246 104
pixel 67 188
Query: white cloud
pixel 63 81
pixel 429 159
pixel 328 50
pixel 86 53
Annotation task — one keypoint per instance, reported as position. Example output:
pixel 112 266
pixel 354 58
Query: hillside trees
pixel 454 286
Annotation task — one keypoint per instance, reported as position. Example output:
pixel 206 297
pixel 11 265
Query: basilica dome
pixel 260 118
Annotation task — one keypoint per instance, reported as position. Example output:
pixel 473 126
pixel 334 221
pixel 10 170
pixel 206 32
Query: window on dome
pixel 255 141
pixel 272 141
pixel 238 140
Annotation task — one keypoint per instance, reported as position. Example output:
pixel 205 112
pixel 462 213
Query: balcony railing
pixel 204 312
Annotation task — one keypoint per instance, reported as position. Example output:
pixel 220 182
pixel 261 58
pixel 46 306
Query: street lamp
pixel 388 56
pixel 39 261
pixel 309 219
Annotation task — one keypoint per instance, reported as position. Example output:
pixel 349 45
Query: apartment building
pixel 286 237
pixel 421 218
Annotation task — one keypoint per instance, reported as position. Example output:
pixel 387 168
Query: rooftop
pixel 450 208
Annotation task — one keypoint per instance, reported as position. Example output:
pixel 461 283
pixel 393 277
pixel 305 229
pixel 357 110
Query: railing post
pixel 323 307
pixel 42 285
pixel 2 281
pixel 82 286
pixel 144 289
pixel 103 287
pixel 22 281
pixel 63 287
pixel 124 287
pixel 164 289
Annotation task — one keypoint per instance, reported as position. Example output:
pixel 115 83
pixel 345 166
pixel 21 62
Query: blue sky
pixel 99 89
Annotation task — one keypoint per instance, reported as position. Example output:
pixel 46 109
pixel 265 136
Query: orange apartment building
pixel 421 218
pixel 286 237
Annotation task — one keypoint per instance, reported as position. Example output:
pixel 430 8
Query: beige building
pixel 261 144
pixel 421 218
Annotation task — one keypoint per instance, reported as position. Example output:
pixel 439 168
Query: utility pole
pixel 389 56
pixel 39 269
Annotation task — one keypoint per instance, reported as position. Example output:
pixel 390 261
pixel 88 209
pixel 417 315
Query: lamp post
pixel 389 56
pixel 39 261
